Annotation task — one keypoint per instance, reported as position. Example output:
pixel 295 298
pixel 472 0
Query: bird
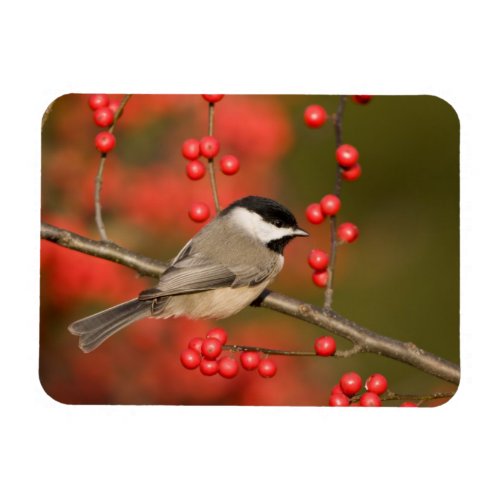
pixel 221 270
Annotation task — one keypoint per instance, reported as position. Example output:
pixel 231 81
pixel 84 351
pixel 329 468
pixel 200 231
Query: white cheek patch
pixel 259 228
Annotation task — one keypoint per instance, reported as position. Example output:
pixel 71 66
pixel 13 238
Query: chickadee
pixel 221 270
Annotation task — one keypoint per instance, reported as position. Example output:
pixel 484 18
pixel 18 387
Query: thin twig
pixel 338 126
pixel 366 340
pixel 337 123
pixel 347 353
pixel 97 199
pixel 281 352
pixel 98 179
pixel 119 111
pixel 265 350
pixel 211 169
pixel 392 396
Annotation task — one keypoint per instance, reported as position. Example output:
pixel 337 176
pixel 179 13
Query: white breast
pixel 219 303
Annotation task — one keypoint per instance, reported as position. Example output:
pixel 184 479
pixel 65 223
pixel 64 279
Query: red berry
pixel 347 232
pixel 211 348
pixel 209 367
pixel 212 97
pixel 408 404
pixel 330 204
pixel 350 383
pixel 190 359
pixel 376 383
pixel 250 360
pixel 325 346
pixel 370 399
pixel 191 149
pixel 352 174
pixel 315 116
pixel 209 147
pixel 267 368
pixel 105 142
pixel 362 99
pixel 219 334
pixel 195 170
pixel 195 344
pixel 318 260
pixel 97 101
pixel 347 156
pixel 228 367
pixel 229 164
pixel 103 117
pixel 314 213
pixel 338 400
pixel 199 212
pixel 320 278
pixel 337 389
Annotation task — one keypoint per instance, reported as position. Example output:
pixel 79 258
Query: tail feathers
pixel 94 330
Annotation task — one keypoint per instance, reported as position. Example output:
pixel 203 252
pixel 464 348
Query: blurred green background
pixel 400 278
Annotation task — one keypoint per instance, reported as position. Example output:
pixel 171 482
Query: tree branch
pixel 365 340
pixel 108 250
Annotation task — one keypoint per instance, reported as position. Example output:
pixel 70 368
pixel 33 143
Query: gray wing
pixel 195 273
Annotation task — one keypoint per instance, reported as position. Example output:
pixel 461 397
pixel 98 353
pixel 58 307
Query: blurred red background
pixel 146 195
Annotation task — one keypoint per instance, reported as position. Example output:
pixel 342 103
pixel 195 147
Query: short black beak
pixel 300 232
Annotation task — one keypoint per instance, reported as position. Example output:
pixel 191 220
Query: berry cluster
pixel 347 232
pixel 207 147
pixel 351 383
pixel 206 354
pixel 328 206
pixel 347 158
pixel 344 393
pixel 318 260
pixel 105 114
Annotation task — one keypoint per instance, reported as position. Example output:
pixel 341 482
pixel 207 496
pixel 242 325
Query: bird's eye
pixel 278 223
